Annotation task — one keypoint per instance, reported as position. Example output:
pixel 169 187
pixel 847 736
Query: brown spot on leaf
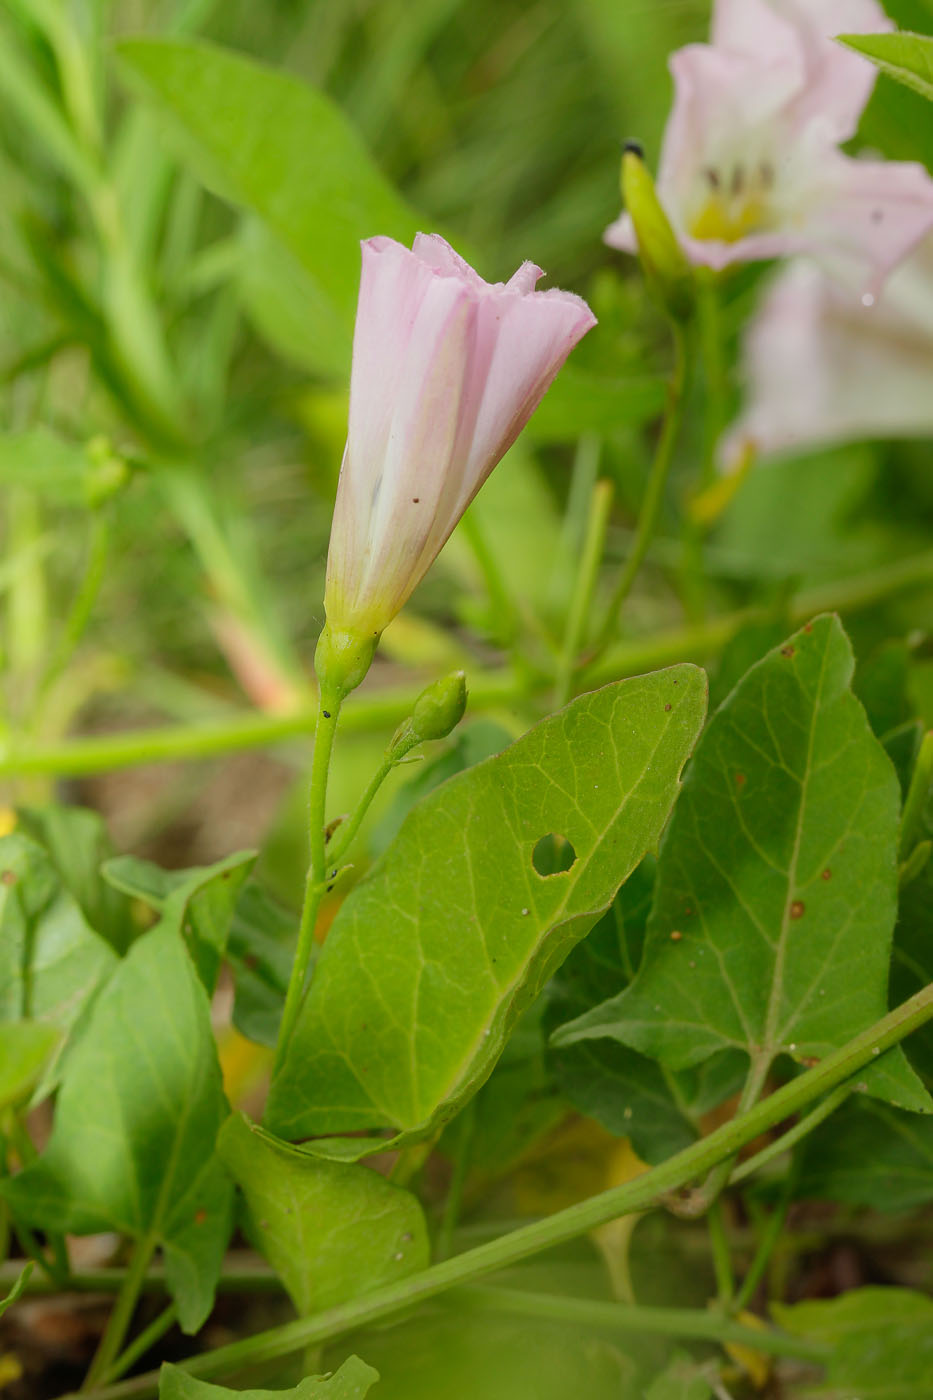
pixel 200 1216
pixel 8 877
pixel 788 651
pixel 667 707
pixel 827 874
pixel 740 780
pixel 676 936
pixel 796 909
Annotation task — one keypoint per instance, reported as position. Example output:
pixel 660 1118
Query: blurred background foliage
pixel 173 336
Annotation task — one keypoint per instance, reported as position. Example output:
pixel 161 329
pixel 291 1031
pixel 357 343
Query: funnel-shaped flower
pixel 823 367
pixel 447 369
pixel 750 166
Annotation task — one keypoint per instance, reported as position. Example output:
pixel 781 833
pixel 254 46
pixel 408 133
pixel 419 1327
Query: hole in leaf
pixel 553 855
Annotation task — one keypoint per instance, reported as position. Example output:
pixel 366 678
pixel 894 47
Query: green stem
pixel 454 1201
pixel 387 706
pixel 722 1257
pixel 141 1344
pixel 316 881
pixel 769 1238
pixel 707 1197
pixel 581 600
pixel 632 1317
pixel 343 837
pixel 493 577
pixel 121 1314
pixel 917 794
pixel 646 1191
pixel 33 1250
pixel 650 512
pixel 80 611
pixel 27 603
pixel 793 1135
pixel 582 481
pixel 716 406
pixel 244 1277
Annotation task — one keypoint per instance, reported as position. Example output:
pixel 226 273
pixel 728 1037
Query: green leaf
pixel 25 1050
pixel 630 1095
pixel 882 685
pixel 453 1351
pixel 261 950
pixel 197 903
pixel 516 518
pixel 582 402
pixel 45 462
pixel 330 1230
pixel 777 881
pixel 681 1380
pixel 78 844
pixel 289 310
pixel 351 1382
pixel 802 517
pixel 869 1154
pixel 18 1288
pixel 137 1117
pixel 906 57
pixel 477 741
pixel 453 933
pixel 517 1106
pixel 51 960
pixel 882 1340
pixel 284 152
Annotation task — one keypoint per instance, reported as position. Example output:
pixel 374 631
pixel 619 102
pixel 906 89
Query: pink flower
pixel 750 167
pixel 447 369
pixel 823 367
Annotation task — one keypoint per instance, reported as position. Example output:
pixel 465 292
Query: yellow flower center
pixel 736 205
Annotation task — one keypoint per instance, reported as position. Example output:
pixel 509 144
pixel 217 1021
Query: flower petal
pixel 872 213
pixel 446 370
pixel 822 368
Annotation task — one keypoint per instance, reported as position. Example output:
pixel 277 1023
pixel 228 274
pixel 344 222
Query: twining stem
pixel 141 1344
pixel 769 1238
pixel 343 837
pixel 388 705
pixel 461 1162
pixel 630 1317
pixel 646 1191
pixel 581 600
pixel 650 512
pixel 121 1314
pixel 316 880
pixel 722 1258
pixel 793 1135
pixel 706 1197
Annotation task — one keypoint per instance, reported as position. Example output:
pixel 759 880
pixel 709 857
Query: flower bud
pixel 437 711
pixel 446 371
pixel 439 708
pixel 668 274
pixel 107 472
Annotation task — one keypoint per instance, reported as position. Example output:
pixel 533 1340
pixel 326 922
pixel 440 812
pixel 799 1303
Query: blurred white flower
pixel 823 366
pixel 750 167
